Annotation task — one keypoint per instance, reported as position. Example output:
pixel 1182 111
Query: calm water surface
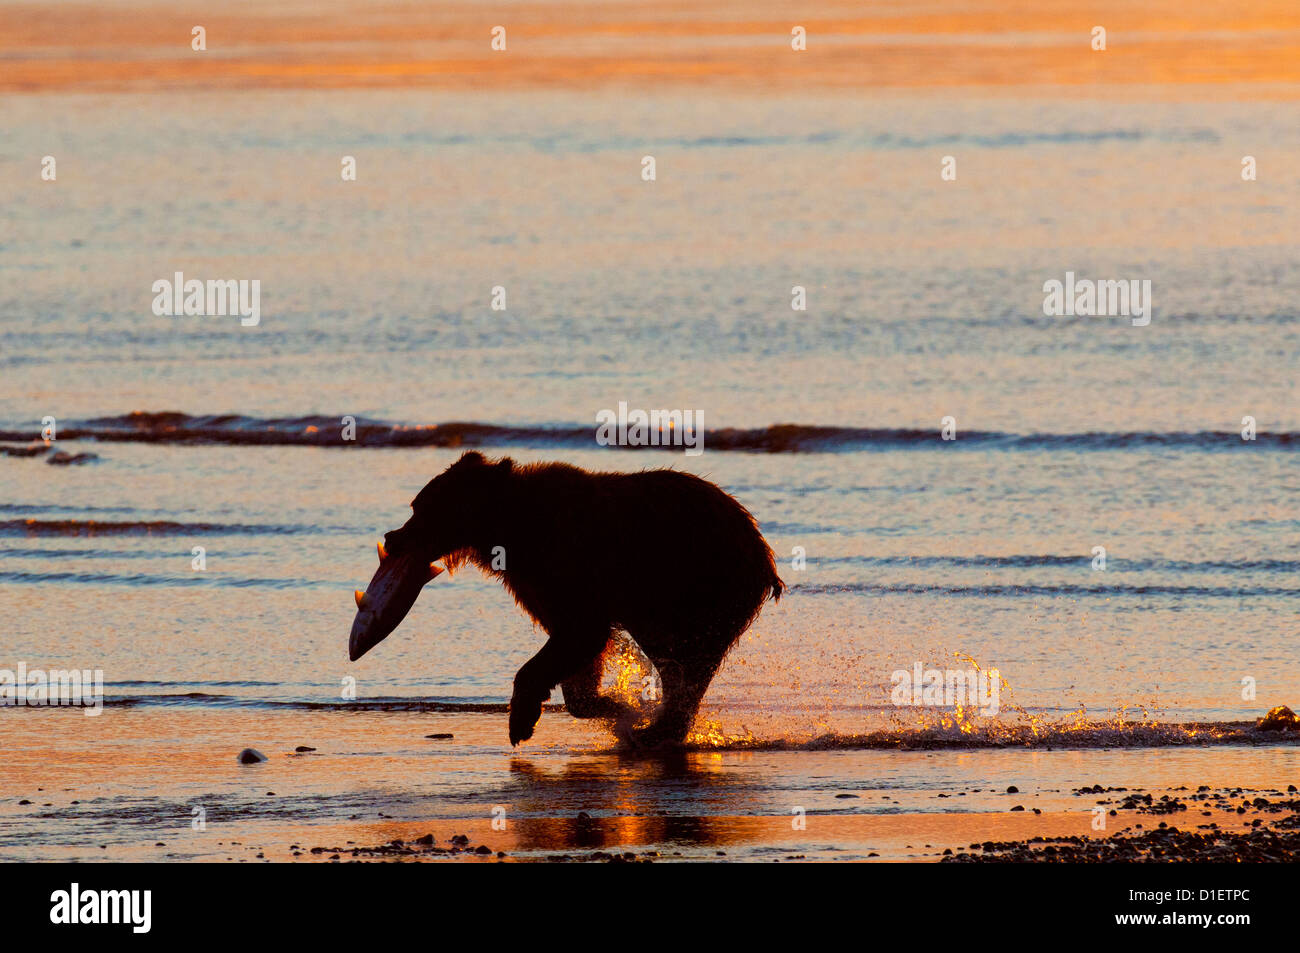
pixel 924 301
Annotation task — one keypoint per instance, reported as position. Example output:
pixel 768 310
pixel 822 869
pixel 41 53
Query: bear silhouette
pixel 671 559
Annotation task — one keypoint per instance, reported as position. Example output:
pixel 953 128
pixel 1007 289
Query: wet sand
pixel 377 787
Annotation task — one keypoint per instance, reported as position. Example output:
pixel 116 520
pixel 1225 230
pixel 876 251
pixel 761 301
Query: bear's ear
pixel 505 465
pixel 470 458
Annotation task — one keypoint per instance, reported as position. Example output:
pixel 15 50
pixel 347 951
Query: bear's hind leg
pixel 582 697
pixel 684 683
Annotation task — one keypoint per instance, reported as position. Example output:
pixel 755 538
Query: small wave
pixel 171 427
pixel 15 552
pixel 213 580
pixel 394 704
pixel 141 682
pixel 1225 592
pixel 62 458
pixel 569 141
pixel 176 698
pixel 1031 561
pixel 887 140
pixel 54 457
pixel 40 508
pixel 76 527
pixel 30 450
pixel 1026 734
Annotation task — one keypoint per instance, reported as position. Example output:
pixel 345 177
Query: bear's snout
pixel 396 541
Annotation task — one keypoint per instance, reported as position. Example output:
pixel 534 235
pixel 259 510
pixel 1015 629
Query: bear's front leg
pixel 565 654
pixel 525 710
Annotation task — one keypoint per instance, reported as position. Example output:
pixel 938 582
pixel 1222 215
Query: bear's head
pixel 454 509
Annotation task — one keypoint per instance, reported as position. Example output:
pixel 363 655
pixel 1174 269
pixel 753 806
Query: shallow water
pixel 132 786
pixel 925 301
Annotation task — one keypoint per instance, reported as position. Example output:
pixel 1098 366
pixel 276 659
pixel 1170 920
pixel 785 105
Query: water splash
pixel 962 726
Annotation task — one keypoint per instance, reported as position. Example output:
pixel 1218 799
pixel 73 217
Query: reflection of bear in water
pixel 671 559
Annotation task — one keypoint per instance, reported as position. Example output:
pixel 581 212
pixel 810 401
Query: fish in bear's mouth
pixel 389 597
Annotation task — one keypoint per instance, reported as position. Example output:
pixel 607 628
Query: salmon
pixel 389 597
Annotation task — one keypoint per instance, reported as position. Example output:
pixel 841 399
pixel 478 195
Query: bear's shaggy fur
pixel 665 556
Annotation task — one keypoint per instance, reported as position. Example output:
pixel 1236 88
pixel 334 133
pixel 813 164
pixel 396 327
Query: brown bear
pixel 667 557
